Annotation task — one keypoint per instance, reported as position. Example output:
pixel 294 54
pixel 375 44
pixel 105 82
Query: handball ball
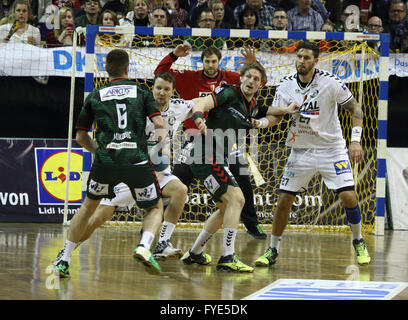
pixel 160 161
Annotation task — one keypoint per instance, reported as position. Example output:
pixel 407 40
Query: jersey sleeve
pixel 341 92
pixel 221 96
pixel 86 115
pixel 150 105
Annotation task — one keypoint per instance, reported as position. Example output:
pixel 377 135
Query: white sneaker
pixel 165 251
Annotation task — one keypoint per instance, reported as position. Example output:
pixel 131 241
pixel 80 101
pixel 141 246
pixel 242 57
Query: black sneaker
pixel 256 231
pixel 202 258
pixel 232 263
pixel 165 251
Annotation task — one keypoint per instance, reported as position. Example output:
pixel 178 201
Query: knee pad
pixel 353 215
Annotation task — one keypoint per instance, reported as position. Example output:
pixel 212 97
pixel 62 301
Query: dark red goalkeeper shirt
pixel 193 84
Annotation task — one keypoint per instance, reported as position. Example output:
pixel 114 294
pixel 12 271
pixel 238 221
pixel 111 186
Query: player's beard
pixel 303 70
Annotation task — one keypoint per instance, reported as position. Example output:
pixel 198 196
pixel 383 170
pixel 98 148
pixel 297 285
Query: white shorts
pixel 333 164
pixel 123 196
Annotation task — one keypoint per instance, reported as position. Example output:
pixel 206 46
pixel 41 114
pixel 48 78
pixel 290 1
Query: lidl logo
pixel 51 169
pixel 342 167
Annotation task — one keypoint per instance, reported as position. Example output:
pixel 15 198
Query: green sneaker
pixel 232 263
pixel 61 269
pixel 268 258
pixel 360 247
pixel 256 231
pixel 190 258
pixel 141 254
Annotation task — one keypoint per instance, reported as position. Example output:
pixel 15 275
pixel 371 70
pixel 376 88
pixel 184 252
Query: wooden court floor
pixel 103 268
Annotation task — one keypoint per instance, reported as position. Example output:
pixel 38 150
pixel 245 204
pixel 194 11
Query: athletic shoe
pixel 268 258
pixel 360 247
pixel 256 231
pixel 62 269
pixel 143 255
pixel 202 258
pixel 58 258
pixel 232 263
pixel 165 251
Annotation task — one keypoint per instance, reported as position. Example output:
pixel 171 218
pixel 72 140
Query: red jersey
pixel 193 84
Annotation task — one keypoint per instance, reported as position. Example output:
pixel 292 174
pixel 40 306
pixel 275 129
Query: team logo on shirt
pixel 342 166
pixel 118 92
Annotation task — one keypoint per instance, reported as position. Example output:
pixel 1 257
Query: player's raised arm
pixel 249 54
pixel 355 149
pixel 274 115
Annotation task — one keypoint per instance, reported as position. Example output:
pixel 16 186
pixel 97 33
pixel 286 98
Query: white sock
pixel 275 242
pixel 166 231
pixel 229 241
pixel 356 231
pixel 147 239
pixel 200 242
pixel 69 247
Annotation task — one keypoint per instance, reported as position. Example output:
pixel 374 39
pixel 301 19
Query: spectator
pixel 62 35
pixel 280 22
pixel 218 9
pixel 120 7
pixel 334 8
pixel 203 4
pixel 375 26
pixel 365 7
pixel 5 6
pixel 264 12
pixel 284 4
pixel 178 16
pixel 17 29
pixel 350 20
pixel 158 18
pixel 206 20
pixel 304 18
pixel 398 27
pixel 139 16
pixel 248 20
pixel 280 19
pixel 92 9
pixel 109 18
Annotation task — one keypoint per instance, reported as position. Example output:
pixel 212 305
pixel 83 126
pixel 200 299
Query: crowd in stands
pixel 52 22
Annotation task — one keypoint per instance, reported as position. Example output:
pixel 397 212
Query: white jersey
pixel 317 125
pixel 173 117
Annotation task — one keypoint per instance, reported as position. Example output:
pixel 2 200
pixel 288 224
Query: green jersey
pixel 231 112
pixel 119 110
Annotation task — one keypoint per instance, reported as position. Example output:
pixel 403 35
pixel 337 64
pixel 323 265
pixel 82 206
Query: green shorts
pixel 215 177
pixel 140 178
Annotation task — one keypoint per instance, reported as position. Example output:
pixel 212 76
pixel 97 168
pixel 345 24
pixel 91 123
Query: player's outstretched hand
pixel 182 50
pixel 355 152
pixel 294 107
pixel 249 54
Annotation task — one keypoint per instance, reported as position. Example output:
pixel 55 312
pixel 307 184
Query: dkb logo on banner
pixel 52 173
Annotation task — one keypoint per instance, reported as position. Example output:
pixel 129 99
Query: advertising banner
pixel 20 59
pixel 397 173
pixel 33 177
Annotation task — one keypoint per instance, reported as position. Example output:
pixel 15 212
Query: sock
pixel 201 241
pixel 275 242
pixel 166 231
pixel 147 239
pixel 69 247
pixel 354 218
pixel 229 241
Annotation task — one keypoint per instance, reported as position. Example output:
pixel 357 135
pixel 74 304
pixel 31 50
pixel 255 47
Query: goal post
pixel 341 54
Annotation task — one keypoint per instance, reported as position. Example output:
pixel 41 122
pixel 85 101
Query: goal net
pixel 347 55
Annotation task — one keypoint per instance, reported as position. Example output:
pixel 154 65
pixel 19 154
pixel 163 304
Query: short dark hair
pixel 305 44
pixel 166 76
pixel 117 61
pixel 256 66
pixel 210 51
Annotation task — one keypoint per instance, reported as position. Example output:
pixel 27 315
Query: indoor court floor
pixel 103 267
